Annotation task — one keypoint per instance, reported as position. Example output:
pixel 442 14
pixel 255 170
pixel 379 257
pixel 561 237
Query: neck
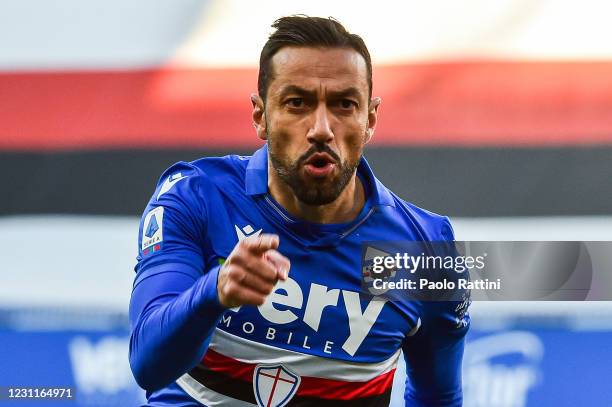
pixel 344 209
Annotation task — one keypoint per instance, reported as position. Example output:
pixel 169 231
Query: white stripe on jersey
pixel 303 364
pixel 207 396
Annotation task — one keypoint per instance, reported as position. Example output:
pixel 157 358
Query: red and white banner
pixel 152 74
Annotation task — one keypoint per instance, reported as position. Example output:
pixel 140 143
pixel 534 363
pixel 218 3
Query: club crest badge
pixel 274 386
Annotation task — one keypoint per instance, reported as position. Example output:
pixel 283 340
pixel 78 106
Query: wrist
pixel 209 301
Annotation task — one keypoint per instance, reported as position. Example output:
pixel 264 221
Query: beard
pixel 315 191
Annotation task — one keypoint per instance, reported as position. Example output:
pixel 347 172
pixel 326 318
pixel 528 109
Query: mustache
pixel 318 148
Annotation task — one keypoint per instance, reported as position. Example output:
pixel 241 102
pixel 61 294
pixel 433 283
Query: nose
pixel 321 131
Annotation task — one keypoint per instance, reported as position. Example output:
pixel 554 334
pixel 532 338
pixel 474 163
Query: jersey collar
pixel 256 178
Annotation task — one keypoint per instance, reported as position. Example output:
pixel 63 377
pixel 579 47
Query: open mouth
pixel 320 160
pixel 319 165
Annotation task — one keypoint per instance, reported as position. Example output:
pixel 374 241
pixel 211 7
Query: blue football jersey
pixel 316 340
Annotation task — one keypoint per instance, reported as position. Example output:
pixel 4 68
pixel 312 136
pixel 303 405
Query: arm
pixel 174 310
pixel 433 357
pixel 173 314
pixel 174 306
pixel 177 300
pixel 434 354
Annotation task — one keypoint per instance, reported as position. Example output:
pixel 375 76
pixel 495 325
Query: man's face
pixel 317 119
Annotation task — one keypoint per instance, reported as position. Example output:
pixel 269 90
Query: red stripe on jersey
pixel 310 386
pixel 228 366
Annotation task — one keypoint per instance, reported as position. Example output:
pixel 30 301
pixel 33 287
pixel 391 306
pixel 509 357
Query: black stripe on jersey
pixel 241 390
pixel 223 384
pixel 382 400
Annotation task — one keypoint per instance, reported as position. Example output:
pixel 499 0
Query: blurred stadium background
pixel 495 113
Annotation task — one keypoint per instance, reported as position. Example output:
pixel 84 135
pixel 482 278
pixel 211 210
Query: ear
pixel 372 118
pixel 259 116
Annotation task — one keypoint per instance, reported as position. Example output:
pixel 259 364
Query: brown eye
pixel 296 102
pixel 347 104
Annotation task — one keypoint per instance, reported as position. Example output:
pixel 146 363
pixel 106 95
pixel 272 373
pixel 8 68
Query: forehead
pixel 313 68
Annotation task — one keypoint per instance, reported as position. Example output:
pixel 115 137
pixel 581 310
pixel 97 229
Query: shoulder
pixel 194 182
pixel 178 214
pixel 434 226
pixel 221 170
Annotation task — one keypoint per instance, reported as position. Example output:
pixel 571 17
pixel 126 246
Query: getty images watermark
pixel 507 271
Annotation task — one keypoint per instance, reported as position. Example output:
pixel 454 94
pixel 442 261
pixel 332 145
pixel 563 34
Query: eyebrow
pixel 348 92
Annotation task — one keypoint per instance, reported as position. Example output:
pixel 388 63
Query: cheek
pixel 284 144
pixel 353 143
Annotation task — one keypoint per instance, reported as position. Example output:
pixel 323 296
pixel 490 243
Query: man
pixel 249 272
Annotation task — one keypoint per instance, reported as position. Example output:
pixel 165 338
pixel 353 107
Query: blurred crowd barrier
pixel 517 355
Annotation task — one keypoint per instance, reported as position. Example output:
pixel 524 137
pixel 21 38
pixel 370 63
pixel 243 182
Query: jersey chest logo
pixel 289 295
pixel 274 386
pixel 288 303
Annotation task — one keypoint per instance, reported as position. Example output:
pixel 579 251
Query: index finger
pixel 262 243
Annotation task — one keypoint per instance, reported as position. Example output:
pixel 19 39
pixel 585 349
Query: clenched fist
pixel 251 271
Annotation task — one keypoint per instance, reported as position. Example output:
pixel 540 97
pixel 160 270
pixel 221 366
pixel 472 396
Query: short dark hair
pixel 304 31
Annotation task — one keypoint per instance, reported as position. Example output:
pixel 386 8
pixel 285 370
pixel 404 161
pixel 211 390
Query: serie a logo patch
pixel 152 231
